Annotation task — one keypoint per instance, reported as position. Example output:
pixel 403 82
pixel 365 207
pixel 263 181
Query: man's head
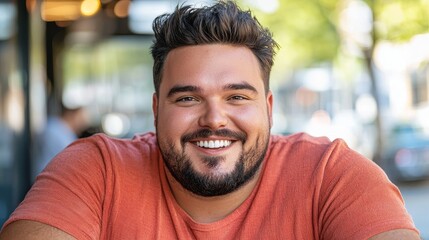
pixel 222 23
pixel 212 105
pixel 77 119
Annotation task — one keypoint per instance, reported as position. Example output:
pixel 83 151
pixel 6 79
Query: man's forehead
pixel 205 65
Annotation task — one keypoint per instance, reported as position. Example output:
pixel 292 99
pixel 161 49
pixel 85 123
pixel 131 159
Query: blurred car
pixel 407 154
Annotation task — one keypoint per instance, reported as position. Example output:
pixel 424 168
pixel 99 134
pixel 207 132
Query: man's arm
pixel 27 230
pixel 398 234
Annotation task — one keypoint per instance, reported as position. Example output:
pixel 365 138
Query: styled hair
pixel 221 23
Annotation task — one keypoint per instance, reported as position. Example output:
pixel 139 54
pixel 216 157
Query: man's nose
pixel 214 116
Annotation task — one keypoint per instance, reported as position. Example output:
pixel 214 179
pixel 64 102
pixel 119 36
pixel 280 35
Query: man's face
pixel 212 117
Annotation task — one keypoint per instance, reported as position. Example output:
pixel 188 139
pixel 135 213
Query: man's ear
pixel 270 101
pixel 155 108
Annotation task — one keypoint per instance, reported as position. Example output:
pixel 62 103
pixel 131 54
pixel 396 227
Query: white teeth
pixel 214 144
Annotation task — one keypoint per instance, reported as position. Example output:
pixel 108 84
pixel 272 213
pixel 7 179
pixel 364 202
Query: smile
pixel 214 143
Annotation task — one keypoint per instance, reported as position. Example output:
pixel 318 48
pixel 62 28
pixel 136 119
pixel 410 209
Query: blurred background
pixel 351 69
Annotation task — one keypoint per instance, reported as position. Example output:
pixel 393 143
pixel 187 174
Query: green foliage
pixel 401 19
pixel 308 31
pixel 87 63
pixel 305 31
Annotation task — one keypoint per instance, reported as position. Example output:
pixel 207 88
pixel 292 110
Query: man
pixel 58 133
pixel 212 171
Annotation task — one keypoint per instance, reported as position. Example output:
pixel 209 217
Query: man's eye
pixel 238 97
pixel 186 99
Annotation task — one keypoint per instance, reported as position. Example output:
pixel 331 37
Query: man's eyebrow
pixel 181 88
pixel 240 86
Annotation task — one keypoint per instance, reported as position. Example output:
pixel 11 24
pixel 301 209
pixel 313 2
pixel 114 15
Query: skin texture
pixel 212 91
pixel 31 230
pixel 209 68
pixel 217 88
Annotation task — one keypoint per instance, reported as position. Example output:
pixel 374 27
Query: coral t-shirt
pixel 310 188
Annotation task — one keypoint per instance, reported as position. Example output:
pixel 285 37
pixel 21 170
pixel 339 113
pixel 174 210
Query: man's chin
pixel 220 163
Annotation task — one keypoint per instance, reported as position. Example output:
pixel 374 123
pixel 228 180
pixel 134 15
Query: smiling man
pixel 212 91
pixel 212 170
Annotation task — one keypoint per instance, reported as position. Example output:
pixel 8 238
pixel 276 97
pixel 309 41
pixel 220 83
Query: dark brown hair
pixel 223 22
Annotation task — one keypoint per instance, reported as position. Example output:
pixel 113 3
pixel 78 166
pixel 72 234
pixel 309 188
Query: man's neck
pixel 210 209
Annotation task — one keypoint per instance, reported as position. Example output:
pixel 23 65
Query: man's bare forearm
pixel 399 234
pixel 25 229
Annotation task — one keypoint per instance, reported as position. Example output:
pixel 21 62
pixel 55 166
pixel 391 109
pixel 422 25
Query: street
pixel 416 196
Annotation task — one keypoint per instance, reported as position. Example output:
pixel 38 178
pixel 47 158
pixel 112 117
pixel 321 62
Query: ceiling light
pixel 60 10
pixel 121 8
pixel 90 7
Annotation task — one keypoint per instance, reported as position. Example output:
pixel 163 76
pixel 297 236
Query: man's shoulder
pixel 303 145
pixel 148 137
pixel 299 138
pixel 98 139
pixel 102 147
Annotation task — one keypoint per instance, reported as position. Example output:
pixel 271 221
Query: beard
pixel 210 185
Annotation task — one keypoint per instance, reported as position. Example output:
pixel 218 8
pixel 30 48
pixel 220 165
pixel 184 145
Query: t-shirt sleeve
pixel 357 200
pixel 69 193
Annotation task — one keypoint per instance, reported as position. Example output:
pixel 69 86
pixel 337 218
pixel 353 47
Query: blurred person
pixel 59 131
pixel 212 170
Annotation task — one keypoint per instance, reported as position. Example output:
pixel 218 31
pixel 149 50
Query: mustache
pixel 205 133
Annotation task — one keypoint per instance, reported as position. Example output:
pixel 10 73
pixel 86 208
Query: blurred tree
pixel 313 32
